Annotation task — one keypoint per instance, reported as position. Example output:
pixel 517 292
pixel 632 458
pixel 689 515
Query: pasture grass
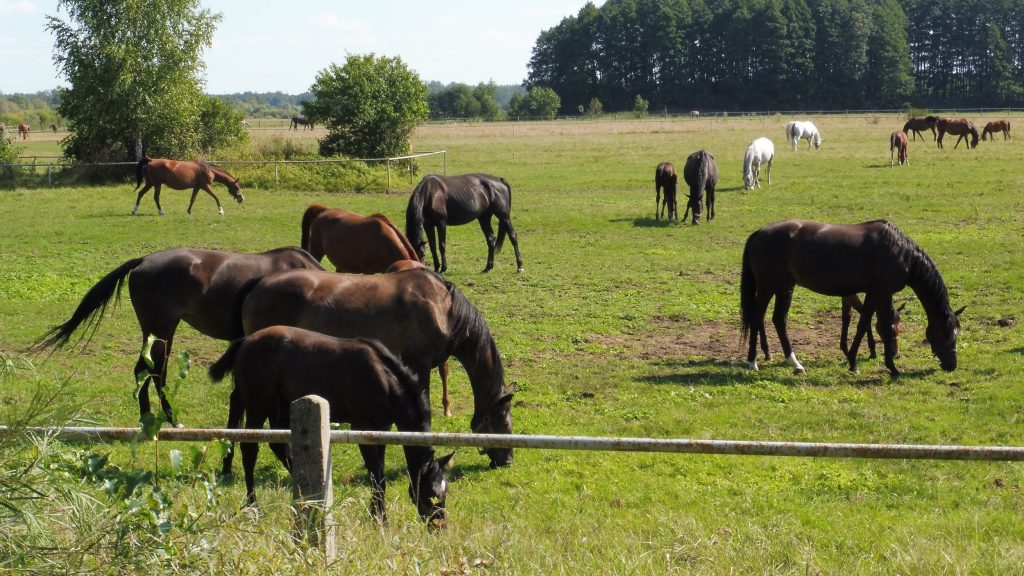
pixel 620 326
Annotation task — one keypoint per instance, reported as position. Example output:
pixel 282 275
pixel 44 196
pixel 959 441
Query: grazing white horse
pixel 760 151
pixel 797 129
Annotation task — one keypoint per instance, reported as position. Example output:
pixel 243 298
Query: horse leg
pixel 709 196
pixel 160 366
pixel 846 316
pixel 156 198
pixel 757 327
pixel 158 353
pixel 250 450
pixel 141 194
pixel 281 420
pixel 442 241
pixel 513 238
pixel 215 199
pixel 886 315
pixel 443 371
pixel 657 202
pixel 236 410
pixel 195 192
pixel 485 226
pixel 373 458
pixel 432 240
pixel 783 300
pixel 867 310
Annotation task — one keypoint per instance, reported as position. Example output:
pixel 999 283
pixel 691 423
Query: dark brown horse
pixel 365 386
pixel 961 127
pixel 701 175
pixel 898 144
pixel 354 243
pixel 874 258
pixel 441 201
pixel 665 177
pixel 194 174
pixel 197 286
pixel 996 126
pixel 915 125
pixel 23 130
pixel 417 314
pixel 300 121
pixel 54 128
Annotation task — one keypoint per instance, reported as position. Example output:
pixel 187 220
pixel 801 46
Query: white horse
pixel 760 151
pixel 796 130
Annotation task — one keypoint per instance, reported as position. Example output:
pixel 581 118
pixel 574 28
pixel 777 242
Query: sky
pixel 263 46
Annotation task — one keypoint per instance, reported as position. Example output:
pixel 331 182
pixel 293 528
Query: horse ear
pixel 902 306
pixel 446 462
pixel 510 390
pixel 960 311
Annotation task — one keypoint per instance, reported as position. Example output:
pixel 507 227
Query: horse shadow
pixel 711 373
pixel 647 222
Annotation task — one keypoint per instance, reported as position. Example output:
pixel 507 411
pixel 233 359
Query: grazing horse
pixel 918 123
pixel 365 386
pixel 197 286
pixel 898 143
pixel 758 152
pixel 996 126
pixel 694 113
pixel 958 127
pixel 797 130
pixel 23 130
pixel 194 174
pixel 441 201
pixel 875 258
pixel 300 121
pixel 354 243
pixel 701 174
pixel 54 128
pixel 416 314
pixel 665 177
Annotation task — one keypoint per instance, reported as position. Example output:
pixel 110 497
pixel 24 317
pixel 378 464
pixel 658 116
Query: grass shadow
pixel 647 222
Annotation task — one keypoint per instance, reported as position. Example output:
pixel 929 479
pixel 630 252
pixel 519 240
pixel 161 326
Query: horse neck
pixel 476 350
pixel 220 175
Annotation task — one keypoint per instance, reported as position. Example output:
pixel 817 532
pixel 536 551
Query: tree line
pixel 785 54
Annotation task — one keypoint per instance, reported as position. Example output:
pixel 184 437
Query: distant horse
pixel 364 385
pixel 354 243
pixel 694 113
pixel 874 258
pixel 194 174
pixel 54 128
pixel 918 123
pixel 197 286
pixel 758 152
pixel 441 201
pixel 797 130
pixel 23 130
pixel 898 143
pixel 701 174
pixel 416 314
pixel 665 177
pixel 996 126
pixel 958 127
pixel 301 121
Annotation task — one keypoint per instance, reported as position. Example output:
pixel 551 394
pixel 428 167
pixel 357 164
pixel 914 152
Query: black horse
pixel 665 178
pixel 875 258
pixel 701 175
pixel 301 121
pixel 439 201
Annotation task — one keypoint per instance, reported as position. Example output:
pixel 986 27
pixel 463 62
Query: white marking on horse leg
pixel 221 210
pixel 135 209
pixel 160 212
pixel 798 368
pixel 752 365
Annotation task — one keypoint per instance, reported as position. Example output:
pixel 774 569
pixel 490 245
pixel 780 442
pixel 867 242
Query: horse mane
pixel 467 328
pixel 308 216
pixel 923 275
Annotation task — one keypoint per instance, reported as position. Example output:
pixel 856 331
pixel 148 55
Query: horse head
pixel 942 335
pixel 974 135
pixel 817 140
pixel 235 189
pixel 497 420
pixel 428 488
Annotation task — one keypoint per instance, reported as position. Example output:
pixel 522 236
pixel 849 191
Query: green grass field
pixel 620 326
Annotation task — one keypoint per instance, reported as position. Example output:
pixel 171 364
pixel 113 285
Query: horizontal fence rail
pixel 610 444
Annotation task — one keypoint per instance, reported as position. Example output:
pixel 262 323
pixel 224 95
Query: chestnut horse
pixel 23 130
pixel 898 143
pixel 439 201
pixel 701 175
pixel 665 177
pixel 915 125
pixel 996 126
pixel 194 174
pixel 365 386
pixel 354 243
pixel 874 258
pixel 197 286
pixel 416 314
pixel 958 127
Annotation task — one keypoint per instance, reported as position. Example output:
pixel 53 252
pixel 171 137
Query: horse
pixel 758 152
pixel 23 130
pixel 354 243
pixel 194 174
pixel 898 143
pixel 665 177
pixel 958 127
pixel 439 201
pixel 694 113
pixel 918 123
pixel 365 386
pixel 875 258
pixel 701 174
pixel 54 128
pixel 416 314
pixel 806 130
pixel 996 126
pixel 301 121
pixel 166 287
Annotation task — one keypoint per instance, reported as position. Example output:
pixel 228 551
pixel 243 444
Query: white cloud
pixel 19 7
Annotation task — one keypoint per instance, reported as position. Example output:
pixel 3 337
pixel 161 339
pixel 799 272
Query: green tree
pixel 370 106
pixel 542 102
pixel 135 73
pixel 640 106
pixel 220 124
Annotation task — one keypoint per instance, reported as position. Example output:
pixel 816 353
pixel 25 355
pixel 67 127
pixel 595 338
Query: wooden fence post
pixel 311 473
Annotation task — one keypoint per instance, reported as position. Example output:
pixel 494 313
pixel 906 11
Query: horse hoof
pixel 752 365
pixel 221 210
pixel 520 270
pixel 799 370
pixel 160 212
pixel 447 412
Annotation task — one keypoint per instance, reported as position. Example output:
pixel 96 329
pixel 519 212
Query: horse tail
pixel 414 213
pixel 140 170
pixel 226 363
pixel 311 213
pixel 501 226
pixel 91 309
pixel 748 291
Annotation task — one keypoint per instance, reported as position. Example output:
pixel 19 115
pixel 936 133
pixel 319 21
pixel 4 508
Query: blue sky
pixel 281 45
